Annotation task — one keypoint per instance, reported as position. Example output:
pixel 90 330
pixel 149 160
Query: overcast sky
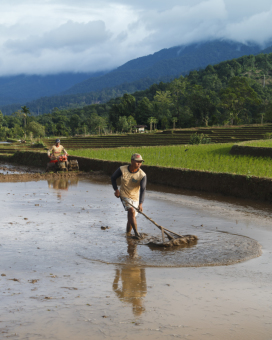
pixel 51 36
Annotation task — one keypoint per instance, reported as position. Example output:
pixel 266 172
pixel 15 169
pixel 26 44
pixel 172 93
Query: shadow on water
pixel 129 283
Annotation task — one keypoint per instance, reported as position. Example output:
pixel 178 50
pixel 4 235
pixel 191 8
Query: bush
pixel 199 139
pixel 38 145
pixel 268 135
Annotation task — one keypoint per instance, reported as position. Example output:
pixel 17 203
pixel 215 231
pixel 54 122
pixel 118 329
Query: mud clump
pixel 186 240
pixel 39 176
pixel 105 228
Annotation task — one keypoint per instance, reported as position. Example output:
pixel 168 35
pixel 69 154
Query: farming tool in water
pixel 174 238
pixel 61 163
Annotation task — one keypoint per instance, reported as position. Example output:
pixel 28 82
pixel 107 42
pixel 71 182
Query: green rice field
pixel 264 143
pixel 209 157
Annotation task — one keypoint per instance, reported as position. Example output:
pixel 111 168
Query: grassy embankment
pixel 210 157
pixel 264 143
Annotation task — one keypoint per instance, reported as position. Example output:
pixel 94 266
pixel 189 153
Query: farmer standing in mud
pixel 56 150
pixel 132 190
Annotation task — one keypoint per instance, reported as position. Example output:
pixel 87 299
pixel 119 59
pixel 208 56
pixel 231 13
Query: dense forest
pixel 238 91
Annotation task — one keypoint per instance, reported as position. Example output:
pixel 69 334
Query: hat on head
pixel 57 141
pixel 137 157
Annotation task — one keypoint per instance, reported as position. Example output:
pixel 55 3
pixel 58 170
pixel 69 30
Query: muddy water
pixel 66 278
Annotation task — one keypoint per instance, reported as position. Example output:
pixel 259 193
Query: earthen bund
pixel 251 151
pixel 249 187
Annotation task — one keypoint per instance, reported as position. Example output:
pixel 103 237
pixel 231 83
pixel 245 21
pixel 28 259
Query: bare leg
pixel 132 221
pixel 129 228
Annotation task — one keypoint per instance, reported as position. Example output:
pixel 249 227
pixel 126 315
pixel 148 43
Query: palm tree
pixel 174 120
pixel 155 122
pixel 150 121
pixel 25 112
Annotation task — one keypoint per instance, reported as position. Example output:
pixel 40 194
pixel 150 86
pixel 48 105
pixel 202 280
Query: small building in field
pixel 140 128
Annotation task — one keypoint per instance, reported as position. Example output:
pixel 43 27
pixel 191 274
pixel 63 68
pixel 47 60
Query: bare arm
pixel 49 152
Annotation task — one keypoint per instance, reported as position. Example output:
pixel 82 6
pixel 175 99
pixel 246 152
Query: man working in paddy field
pixel 132 190
pixel 56 150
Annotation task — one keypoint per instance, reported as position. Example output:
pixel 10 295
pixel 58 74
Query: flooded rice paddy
pixel 63 277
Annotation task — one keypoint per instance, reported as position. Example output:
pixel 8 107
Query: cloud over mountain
pixel 63 35
pixel 71 35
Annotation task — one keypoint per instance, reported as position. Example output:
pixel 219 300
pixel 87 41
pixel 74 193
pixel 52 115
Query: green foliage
pixel 1 118
pixel 237 97
pixel 196 138
pixel 17 131
pixel 3 133
pixel 38 144
pixel 144 110
pixel 268 135
pixel 36 129
pixel 122 125
pixel 164 123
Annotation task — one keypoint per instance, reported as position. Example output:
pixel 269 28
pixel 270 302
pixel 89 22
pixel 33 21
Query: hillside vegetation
pixel 235 92
pixel 230 93
pixel 135 75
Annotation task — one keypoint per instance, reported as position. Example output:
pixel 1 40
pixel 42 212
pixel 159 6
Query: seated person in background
pixel 56 150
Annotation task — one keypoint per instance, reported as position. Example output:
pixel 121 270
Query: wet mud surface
pixel 12 169
pixel 213 248
pixel 20 173
pixel 68 271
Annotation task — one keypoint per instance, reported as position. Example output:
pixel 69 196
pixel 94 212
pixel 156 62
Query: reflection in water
pixel 133 287
pixel 61 183
pixel 132 248
pixel 133 282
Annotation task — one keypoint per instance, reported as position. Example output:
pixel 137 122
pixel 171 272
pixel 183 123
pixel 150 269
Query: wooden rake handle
pixel 163 230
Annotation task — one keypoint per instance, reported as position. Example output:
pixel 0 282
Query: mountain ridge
pixel 31 87
pixel 168 62
pixel 164 67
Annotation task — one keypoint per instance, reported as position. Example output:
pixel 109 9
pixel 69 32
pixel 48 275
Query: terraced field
pixel 217 135
pixel 179 137
pixel 10 149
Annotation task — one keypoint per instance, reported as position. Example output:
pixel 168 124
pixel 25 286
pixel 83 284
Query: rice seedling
pixel 264 143
pixel 208 157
